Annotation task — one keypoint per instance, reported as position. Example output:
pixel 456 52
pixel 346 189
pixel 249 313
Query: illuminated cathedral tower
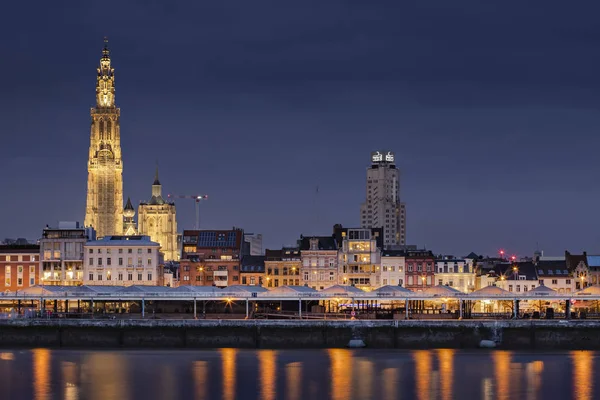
pixel 104 209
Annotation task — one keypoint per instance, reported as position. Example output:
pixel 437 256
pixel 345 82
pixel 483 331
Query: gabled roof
pixel 342 289
pixel 590 290
pixel 442 290
pixel 243 289
pixel 195 289
pixel 490 291
pixel 143 289
pixel 394 290
pixel 472 255
pixel 283 290
pixel 540 291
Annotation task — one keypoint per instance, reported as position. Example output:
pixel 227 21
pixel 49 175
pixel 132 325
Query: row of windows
pixel 119 276
pixel 410 267
pixel 186 268
pixel 129 251
pixel 18 258
pixel 119 261
pixel 285 282
pixel 200 278
pixel 321 276
pixel 8 281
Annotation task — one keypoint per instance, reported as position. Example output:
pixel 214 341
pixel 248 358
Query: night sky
pixel 492 110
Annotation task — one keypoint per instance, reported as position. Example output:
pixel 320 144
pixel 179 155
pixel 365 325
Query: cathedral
pixel 104 208
pixel 157 219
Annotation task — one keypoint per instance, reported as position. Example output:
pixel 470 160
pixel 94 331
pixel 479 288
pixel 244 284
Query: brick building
pixel 419 269
pixel 211 258
pixel 19 267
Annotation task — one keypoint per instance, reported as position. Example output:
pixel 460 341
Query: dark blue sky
pixel 492 110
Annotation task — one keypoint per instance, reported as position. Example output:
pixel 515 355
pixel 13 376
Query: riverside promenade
pixel 131 333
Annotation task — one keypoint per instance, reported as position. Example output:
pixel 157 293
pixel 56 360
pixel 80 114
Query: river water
pixel 298 374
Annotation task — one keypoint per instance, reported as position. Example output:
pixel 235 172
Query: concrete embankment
pixel 298 334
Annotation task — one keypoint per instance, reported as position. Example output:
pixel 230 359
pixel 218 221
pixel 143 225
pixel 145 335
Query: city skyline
pixel 485 137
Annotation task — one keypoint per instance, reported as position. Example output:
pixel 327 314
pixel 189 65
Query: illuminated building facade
pixel 104 208
pixel 282 267
pixel 382 207
pixel 122 261
pixel 419 269
pixel 393 267
pixel 359 256
pixel 61 253
pixel 19 266
pixel 319 256
pixel 157 219
pixel 211 258
pixel 456 273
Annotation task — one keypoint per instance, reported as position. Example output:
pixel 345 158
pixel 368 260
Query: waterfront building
pixel 319 256
pixel 282 267
pixel 359 256
pixel 419 269
pixel 252 270
pixel 104 205
pixel 382 207
pixel 393 268
pixel 122 261
pixel 19 266
pixel 555 275
pixel 61 253
pixel 577 265
pixel 455 272
pixel 253 244
pixel 211 258
pixel 518 277
pixel 157 219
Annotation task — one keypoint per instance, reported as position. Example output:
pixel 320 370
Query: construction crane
pixel 197 198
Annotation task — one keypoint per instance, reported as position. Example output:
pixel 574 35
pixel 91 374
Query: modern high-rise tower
pixel 104 208
pixel 382 207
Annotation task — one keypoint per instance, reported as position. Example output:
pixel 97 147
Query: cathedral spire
pixel 156 181
pixel 105 84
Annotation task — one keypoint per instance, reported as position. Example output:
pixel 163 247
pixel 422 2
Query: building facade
pixel 382 207
pixel 211 258
pixel 252 270
pixel 319 256
pixel 555 275
pixel 122 261
pixel 157 219
pixel 104 206
pixel 19 267
pixel 393 268
pixel 359 256
pixel 61 253
pixel 456 273
pixel 420 272
pixel 282 267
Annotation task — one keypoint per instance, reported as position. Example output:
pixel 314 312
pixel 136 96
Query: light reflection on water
pixel 229 374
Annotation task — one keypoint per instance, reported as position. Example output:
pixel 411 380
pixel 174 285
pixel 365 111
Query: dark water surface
pixel 298 374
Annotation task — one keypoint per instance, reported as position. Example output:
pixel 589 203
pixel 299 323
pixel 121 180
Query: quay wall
pixel 541 335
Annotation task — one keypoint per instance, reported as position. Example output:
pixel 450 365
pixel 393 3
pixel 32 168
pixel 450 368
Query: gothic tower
pixel 104 209
pixel 157 218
